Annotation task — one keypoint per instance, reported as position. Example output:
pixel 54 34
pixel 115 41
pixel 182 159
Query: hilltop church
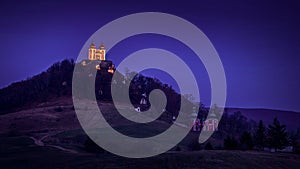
pixel 98 56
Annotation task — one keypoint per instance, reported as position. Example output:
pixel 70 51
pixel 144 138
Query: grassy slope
pixel 62 128
pixel 20 152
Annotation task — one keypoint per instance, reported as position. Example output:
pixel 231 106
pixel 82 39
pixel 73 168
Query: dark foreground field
pixel 21 152
pixel 50 137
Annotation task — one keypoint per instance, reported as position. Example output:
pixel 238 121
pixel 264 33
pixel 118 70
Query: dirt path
pixel 39 142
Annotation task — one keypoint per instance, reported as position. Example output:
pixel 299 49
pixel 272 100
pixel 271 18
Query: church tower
pixel 100 53
pixel 92 52
pixel 102 50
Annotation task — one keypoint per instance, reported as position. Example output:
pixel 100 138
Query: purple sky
pixel 258 42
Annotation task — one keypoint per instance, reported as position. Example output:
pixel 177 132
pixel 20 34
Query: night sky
pixel 258 42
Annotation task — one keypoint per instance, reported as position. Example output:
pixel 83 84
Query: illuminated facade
pixel 97 58
pixel 96 54
pixel 211 123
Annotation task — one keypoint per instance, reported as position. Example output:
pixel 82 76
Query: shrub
pixel 208 146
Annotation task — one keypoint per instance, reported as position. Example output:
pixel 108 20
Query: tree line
pixel 241 134
pixel 56 82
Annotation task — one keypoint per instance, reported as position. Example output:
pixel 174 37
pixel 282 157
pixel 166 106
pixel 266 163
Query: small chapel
pixel 98 56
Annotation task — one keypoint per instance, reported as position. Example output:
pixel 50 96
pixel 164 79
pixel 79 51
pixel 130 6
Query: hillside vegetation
pixel 56 82
pixel 38 120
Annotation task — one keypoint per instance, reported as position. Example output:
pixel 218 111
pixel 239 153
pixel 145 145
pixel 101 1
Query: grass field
pixel 50 137
pixel 21 152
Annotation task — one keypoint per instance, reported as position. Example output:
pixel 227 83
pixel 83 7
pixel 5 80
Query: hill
pixel 56 82
pixel 289 118
pixel 38 120
pixel 48 85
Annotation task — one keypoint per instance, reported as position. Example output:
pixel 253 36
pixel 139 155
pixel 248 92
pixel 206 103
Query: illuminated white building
pixel 96 54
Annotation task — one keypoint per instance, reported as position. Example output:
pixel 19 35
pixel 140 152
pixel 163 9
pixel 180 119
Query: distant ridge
pixel 290 118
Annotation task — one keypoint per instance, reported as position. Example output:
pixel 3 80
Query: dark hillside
pixel 52 83
pixel 56 82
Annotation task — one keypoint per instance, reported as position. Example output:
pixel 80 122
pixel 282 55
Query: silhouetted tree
pixel 208 146
pixel 260 136
pixel 293 140
pixel 230 143
pixel 234 124
pixel 246 141
pixel 277 135
pixel 195 145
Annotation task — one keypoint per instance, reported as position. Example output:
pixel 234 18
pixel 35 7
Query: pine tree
pixel 293 139
pixel 230 143
pixel 246 141
pixel 260 136
pixel 277 135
